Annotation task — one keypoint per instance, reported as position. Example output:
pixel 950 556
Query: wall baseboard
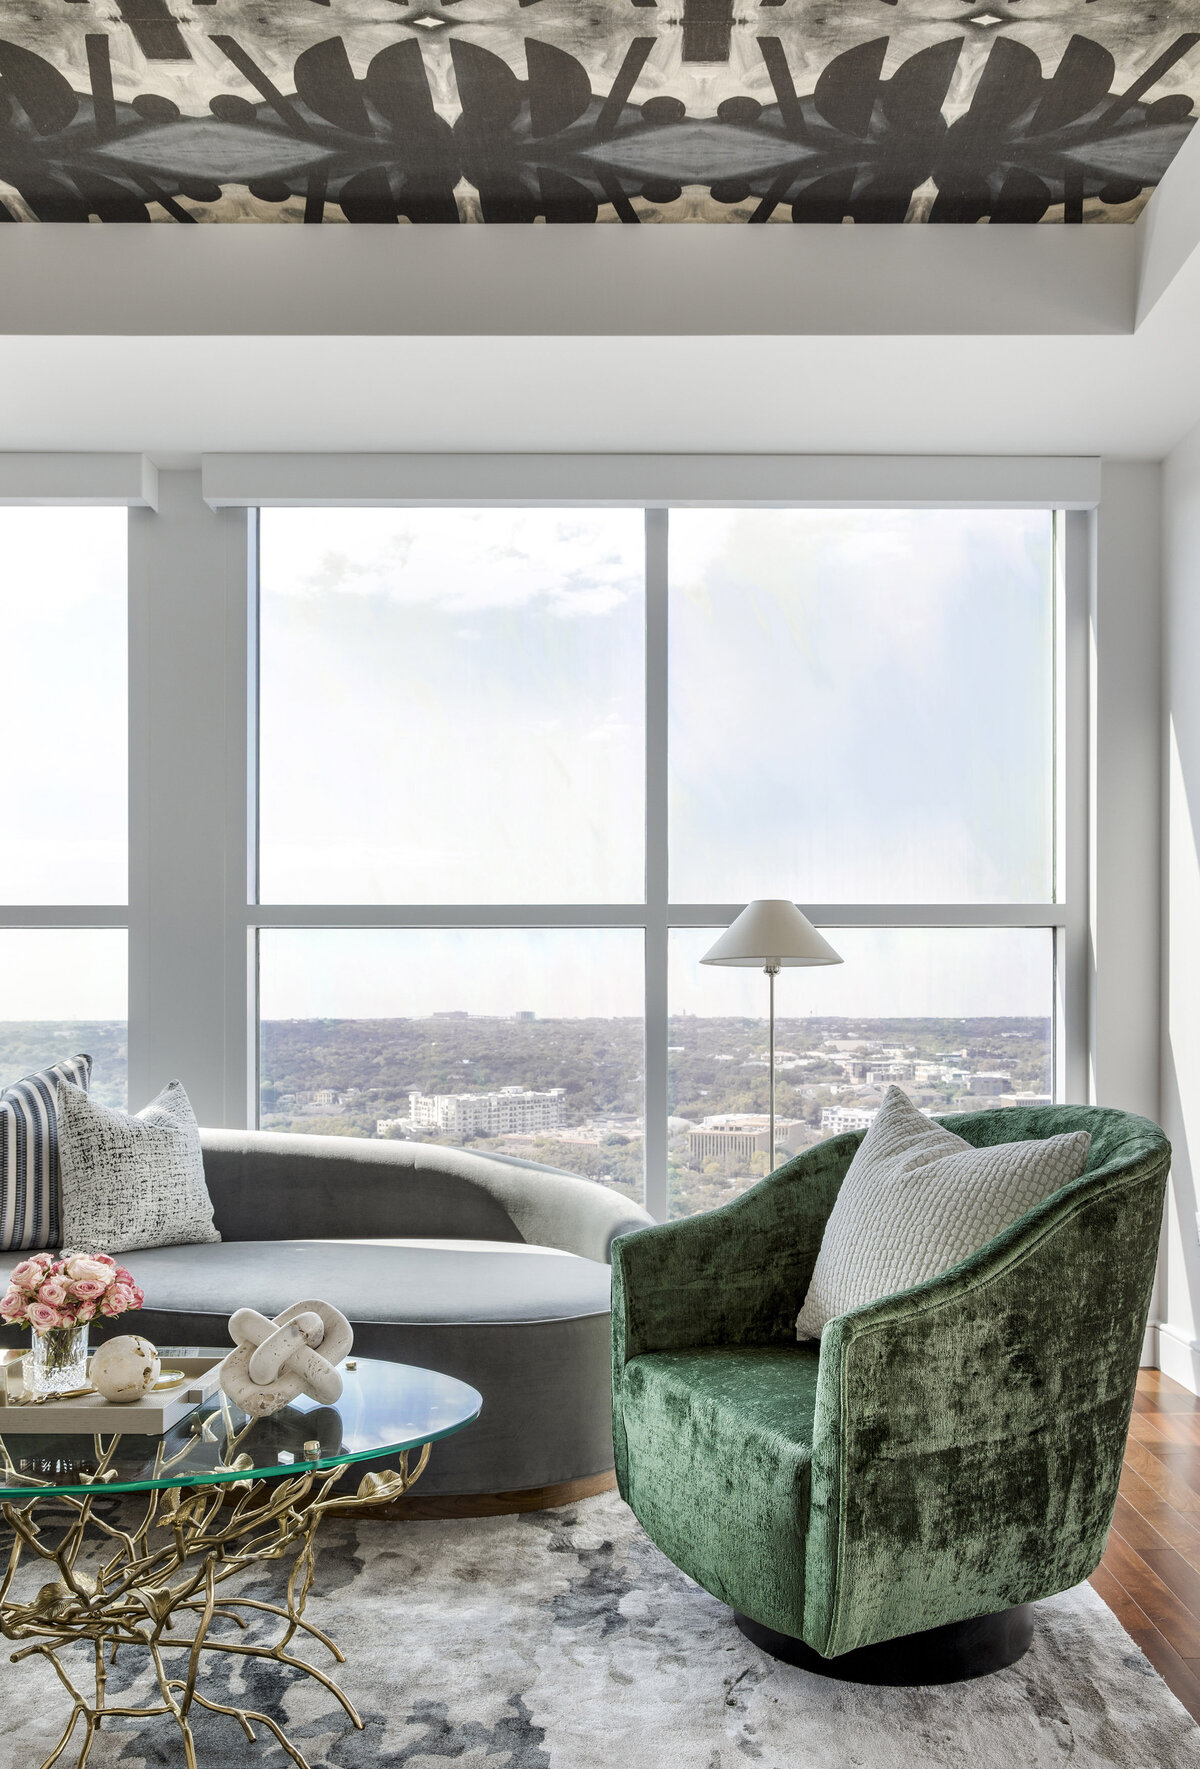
pixel 1178 1356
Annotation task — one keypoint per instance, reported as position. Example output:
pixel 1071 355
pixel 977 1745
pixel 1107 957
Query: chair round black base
pixel 950 1654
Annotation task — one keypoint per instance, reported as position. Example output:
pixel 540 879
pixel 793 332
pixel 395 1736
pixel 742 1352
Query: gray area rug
pixel 565 1640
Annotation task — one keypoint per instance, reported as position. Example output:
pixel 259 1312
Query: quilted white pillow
pixel 916 1199
pixel 130 1182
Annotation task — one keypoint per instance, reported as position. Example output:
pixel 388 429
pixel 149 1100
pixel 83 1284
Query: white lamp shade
pixel 771 931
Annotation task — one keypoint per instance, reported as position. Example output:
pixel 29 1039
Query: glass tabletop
pixel 384 1408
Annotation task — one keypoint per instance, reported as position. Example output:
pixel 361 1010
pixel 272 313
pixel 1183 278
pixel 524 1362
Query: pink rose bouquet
pixel 45 1292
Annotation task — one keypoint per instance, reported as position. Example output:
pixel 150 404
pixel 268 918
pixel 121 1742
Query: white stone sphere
pixel 125 1368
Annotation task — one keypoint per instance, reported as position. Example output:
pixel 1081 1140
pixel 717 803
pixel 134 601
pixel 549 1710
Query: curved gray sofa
pixel 490 1269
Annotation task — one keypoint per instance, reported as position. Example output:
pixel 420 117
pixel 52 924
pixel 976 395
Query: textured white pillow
pixel 131 1182
pixel 916 1199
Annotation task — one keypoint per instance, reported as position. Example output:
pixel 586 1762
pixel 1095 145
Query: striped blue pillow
pixel 30 1206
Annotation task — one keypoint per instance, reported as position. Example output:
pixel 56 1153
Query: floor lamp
pixel 771 932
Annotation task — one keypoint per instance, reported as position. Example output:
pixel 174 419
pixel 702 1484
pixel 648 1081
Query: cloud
pixel 573 563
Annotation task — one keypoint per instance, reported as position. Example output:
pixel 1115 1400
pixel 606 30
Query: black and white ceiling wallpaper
pixel 636 111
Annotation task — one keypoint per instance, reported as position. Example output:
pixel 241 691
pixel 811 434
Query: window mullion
pixel 656 1034
pixel 1072 1008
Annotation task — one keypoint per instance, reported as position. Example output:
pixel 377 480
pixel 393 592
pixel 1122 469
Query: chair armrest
pixel 733 1276
pixel 969 1432
pixel 553 1209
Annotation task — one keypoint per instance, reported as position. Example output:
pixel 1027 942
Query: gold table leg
pixel 175 1563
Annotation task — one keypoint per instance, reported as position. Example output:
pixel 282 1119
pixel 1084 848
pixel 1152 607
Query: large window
pixel 517 765
pixel 63 734
pixel 526 1042
pixel 862 705
pixel 451 706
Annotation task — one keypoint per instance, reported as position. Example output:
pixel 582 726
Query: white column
pixel 1125 812
pixel 657 1006
pixel 1179 1314
pixel 189 979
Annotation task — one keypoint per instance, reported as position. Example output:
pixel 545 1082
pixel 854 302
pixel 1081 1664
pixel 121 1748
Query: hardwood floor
pixel 1150 1574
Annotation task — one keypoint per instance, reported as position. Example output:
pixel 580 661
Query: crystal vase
pixel 58 1361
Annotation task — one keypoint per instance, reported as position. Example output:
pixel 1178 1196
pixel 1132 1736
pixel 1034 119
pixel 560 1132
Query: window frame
pixel 1064 915
pixel 192 916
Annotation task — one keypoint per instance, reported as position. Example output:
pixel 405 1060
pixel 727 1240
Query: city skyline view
pixel 570 1094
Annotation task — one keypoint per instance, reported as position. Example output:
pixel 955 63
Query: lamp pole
pixel 771 932
pixel 772 969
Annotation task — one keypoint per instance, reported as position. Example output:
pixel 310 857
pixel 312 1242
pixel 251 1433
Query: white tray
pixel 151 1416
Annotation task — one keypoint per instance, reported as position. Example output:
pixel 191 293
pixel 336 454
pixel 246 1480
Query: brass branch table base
pixel 173 1568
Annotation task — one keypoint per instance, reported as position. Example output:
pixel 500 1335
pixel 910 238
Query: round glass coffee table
pixel 223 1494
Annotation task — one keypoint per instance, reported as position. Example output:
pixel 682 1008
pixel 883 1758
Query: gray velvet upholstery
pixel 386 1283
pixel 340 1185
pixel 490 1269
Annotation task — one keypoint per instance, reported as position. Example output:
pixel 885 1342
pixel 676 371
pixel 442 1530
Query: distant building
pixel 736 1136
pixel 882 1074
pixel 837 1119
pixel 487 1114
pixel 525 1015
pixel 984 1082
pixel 1025 1099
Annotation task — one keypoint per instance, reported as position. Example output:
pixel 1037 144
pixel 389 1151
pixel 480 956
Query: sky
pixel 80 973
pixel 861 705
pixel 577 973
pixel 452 711
pixel 62 704
pixel 451 706
pixel 63 973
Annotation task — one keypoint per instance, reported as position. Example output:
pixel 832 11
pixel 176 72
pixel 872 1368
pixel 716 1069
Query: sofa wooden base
pixel 532 1498
pixel 951 1654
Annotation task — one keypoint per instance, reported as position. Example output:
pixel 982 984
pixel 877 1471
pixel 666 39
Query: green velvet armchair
pixel 945 1453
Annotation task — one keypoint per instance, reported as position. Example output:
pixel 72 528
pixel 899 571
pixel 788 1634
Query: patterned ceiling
pixel 591 110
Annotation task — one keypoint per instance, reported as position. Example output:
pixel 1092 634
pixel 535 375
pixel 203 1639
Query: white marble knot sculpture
pixel 273 1362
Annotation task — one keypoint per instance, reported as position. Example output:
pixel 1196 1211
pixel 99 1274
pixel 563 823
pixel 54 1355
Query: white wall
pixel 1125 795
pixel 1179 1353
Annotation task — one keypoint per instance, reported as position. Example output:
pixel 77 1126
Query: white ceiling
pixel 177 398
pixel 885 340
